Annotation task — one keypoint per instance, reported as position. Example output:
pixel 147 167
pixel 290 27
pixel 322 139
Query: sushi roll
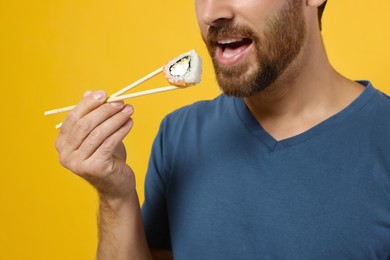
pixel 185 70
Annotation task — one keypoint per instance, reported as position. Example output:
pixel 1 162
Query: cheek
pixel 203 31
pixel 198 12
pixel 258 13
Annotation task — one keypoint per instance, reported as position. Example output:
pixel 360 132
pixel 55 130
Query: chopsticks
pixel 117 96
pixel 138 82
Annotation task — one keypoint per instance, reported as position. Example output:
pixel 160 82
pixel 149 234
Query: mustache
pixel 229 29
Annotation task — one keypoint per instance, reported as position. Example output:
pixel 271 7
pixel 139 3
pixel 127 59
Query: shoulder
pixel 201 112
pixel 378 105
pixel 373 119
pixel 197 123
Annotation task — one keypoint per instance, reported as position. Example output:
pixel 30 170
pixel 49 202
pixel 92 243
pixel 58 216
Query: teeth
pixel 227 41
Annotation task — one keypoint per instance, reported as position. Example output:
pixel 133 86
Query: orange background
pixel 52 51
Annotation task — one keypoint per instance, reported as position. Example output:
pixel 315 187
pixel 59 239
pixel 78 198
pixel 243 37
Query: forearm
pixel 121 232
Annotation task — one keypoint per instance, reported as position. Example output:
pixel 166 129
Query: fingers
pixel 87 93
pixel 107 129
pixel 88 126
pixel 110 144
pixel 90 101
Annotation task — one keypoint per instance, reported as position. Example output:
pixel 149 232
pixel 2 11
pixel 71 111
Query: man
pixel 291 162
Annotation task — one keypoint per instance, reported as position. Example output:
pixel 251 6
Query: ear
pixel 315 3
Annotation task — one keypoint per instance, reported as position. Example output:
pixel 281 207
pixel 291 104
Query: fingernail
pixel 99 95
pixel 117 104
pixel 127 109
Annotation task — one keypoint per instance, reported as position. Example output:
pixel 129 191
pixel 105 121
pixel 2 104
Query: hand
pixel 90 144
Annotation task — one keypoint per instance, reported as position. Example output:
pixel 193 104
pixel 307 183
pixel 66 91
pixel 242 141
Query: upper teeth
pixel 227 41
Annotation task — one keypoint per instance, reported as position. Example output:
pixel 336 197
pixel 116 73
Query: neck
pixel 307 93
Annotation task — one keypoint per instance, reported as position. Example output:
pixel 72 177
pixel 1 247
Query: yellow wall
pixel 51 51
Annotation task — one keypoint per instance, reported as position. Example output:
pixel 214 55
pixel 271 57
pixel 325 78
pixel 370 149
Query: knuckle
pixel 109 143
pixel 83 125
pixel 94 138
pixel 108 110
pixel 70 162
pixel 95 134
pixel 72 116
pixel 58 145
pixel 63 159
pixel 74 166
pixel 105 109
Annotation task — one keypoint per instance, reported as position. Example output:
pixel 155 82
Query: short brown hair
pixel 320 11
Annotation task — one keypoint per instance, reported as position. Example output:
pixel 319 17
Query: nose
pixel 210 12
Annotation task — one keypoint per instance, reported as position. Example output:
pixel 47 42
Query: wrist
pixel 121 232
pixel 118 203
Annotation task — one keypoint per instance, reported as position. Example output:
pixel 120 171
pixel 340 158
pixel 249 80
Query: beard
pixel 275 48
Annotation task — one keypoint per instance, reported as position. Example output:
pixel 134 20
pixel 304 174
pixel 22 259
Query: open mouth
pixel 232 50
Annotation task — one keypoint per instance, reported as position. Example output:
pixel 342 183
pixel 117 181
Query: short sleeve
pixel 154 208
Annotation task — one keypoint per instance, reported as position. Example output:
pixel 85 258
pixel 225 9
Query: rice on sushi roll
pixel 185 70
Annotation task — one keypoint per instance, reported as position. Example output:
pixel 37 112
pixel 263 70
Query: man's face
pixel 251 42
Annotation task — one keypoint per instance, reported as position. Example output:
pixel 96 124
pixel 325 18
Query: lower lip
pixel 235 59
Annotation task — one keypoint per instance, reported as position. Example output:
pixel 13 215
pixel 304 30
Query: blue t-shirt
pixel 220 187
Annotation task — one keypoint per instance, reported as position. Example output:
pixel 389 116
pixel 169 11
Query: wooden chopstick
pixel 119 98
pixel 138 82
pixel 143 93
pixel 116 94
